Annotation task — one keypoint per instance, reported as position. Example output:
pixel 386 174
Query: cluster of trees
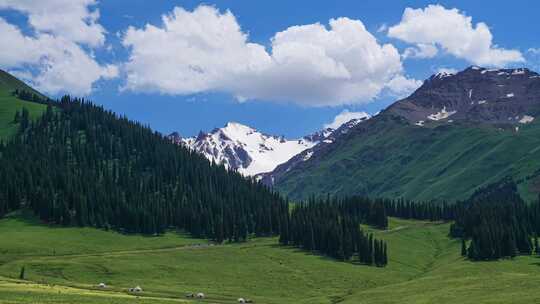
pixel 30 96
pixel 498 223
pixel 332 227
pixel 366 210
pixel 22 118
pixel 431 211
pixel 82 165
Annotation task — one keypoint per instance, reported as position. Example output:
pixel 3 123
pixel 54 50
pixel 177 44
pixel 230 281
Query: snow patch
pixel 526 119
pixel 420 123
pixel 482 102
pixel 308 155
pixel 509 95
pixel 443 114
pixel 444 74
pixel 518 72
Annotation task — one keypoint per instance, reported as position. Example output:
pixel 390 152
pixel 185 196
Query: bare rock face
pixel 476 95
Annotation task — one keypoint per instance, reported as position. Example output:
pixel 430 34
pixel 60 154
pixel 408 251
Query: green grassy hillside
pixel 63 265
pixel 421 163
pixel 10 104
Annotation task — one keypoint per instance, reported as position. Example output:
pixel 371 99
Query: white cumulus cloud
pixel 420 51
pixel 345 116
pixel 534 51
pixel 71 19
pixel 401 86
pixel 311 65
pixel 454 32
pixel 56 57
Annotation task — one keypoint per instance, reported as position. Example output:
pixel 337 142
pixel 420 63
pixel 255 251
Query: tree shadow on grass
pixel 537 262
pixel 320 256
pixel 29 219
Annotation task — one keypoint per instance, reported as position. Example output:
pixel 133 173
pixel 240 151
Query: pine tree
pixel 472 253
pixel 536 247
pixel 21 274
pixel 385 254
pixel 17 117
pixel 463 247
pixel 370 251
pixel 511 245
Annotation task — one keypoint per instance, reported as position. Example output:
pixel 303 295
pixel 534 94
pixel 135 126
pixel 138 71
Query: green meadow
pixel 65 264
pixel 10 104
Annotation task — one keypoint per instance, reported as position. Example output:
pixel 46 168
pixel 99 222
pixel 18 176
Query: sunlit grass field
pixel 64 265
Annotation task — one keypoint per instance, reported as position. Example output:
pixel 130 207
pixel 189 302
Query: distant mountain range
pixel 251 152
pixel 454 134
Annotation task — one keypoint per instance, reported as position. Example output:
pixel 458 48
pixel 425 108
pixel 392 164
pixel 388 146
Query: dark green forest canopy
pixel 498 223
pixel 332 227
pixel 82 165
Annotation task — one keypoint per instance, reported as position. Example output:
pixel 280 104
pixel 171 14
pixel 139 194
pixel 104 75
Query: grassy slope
pixel 425 267
pixel 10 104
pixel 422 163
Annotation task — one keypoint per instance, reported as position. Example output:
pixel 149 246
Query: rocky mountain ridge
pixel 457 131
pixel 250 152
pixel 493 96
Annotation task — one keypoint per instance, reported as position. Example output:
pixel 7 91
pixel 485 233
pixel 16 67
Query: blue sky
pixel 260 81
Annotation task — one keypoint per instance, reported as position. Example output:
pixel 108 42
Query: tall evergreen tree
pixel 22 273
pixel 536 245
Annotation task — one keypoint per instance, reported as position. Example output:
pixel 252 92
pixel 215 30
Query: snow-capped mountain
pixel 249 151
pixel 245 149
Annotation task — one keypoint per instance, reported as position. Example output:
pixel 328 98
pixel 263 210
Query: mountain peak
pixel 476 94
pixel 242 148
pixel 483 72
pixel 236 125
